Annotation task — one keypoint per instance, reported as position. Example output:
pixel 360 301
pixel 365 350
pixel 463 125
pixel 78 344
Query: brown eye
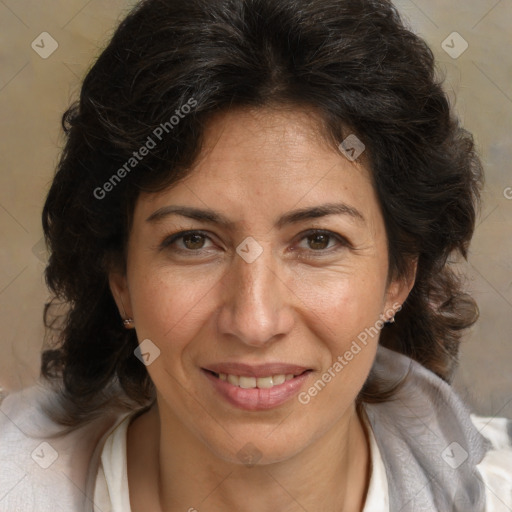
pixel 323 242
pixel 186 242
pixel 318 241
pixel 193 241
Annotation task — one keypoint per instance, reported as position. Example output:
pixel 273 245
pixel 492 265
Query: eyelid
pixel 168 240
pixel 342 241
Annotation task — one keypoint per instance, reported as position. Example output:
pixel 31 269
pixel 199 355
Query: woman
pixel 250 228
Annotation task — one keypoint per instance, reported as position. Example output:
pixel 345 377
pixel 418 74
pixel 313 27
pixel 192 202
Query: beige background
pixel 35 91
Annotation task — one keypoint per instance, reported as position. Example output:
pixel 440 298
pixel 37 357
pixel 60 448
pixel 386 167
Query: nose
pixel 257 304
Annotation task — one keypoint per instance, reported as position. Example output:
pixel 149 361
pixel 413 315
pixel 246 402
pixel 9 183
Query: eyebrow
pixel 293 217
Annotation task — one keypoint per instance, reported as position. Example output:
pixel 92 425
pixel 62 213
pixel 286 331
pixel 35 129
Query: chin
pixel 252 449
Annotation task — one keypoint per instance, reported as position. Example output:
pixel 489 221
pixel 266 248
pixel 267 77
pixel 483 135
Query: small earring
pixel 128 323
pixel 391 320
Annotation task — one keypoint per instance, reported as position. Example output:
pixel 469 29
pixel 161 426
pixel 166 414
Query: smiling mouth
pixel 248 382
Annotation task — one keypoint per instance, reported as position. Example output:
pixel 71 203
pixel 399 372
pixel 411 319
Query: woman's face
pixel 254 292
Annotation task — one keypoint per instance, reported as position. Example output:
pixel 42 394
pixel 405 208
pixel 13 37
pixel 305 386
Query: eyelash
pixel 342 241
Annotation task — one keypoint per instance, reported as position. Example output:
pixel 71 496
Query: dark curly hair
pixel 355 62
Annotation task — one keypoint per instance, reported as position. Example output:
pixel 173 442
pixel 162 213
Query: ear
pixel 119 288
pixel 399 288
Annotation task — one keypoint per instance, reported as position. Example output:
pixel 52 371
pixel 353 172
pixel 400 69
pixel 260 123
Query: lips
pixel 256 388
pixel 264 370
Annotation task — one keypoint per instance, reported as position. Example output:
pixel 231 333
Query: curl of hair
pixel 363 71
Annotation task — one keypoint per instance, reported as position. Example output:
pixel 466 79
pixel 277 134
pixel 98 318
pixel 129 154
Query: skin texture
pixel 304 300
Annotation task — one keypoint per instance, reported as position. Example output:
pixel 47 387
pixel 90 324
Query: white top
pixel 412 437
pixel 111 490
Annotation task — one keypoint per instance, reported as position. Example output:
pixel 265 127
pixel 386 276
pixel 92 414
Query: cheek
pixel 173 304
pixel 343 314
pixel 165 302
pixel 345 319
pixel 343 302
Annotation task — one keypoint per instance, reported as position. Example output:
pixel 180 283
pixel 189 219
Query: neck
pixel 180 472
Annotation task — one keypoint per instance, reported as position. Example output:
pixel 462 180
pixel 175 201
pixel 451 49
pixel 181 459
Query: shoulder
pixel 425 430
pixel 42 468
pixel 496 466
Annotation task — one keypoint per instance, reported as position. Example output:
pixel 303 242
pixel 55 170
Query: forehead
pixel 265 161
pixel 269 137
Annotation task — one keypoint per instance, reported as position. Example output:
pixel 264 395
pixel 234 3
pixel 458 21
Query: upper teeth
pixel 255 382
